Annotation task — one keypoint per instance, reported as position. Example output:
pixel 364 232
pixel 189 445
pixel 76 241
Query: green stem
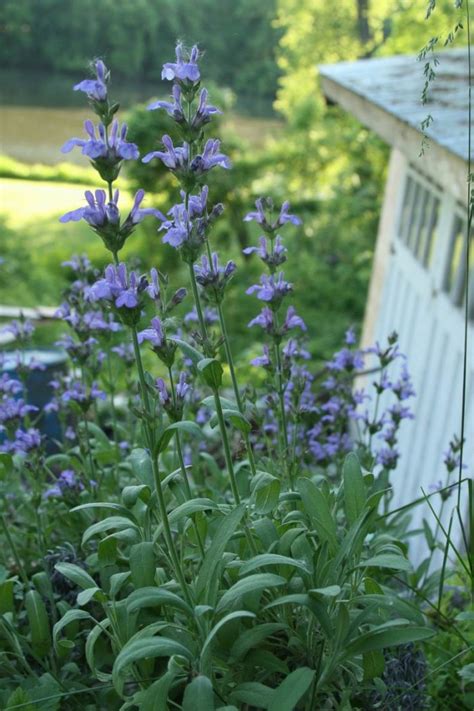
pixel 14 551
pixel 183 467
pixel 149 432
pixel 230 362
pixel 225 442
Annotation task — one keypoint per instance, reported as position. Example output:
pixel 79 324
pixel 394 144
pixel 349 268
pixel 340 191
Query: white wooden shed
pixel 418 281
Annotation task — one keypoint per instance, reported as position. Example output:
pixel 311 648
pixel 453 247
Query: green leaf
pixel 131 494
pixel 198 695
pixel 145 648
pixel 354 488
pixel 249 584
pixel 265 492
pixel 6 464
pixel 70 616
pixel 105 505
pixel 386 560
pixel 92 638
pixel 188 350
pixel 329 591
pixel 38 623
pixel 154 597
pixel 117 581
pixel 86 596
pixel 216 550
pixel 226 404
pixel 260 561
pixel 253 693
pixel 291 690
pixel 186 426
pixel 76 574
pixel 191 507
pixel 142 564
pixel 373 664
pixel 235 417
pixel 114 523
pixel 211 371
pixel 316 506
pixel 141 466
pixel 379 638
pixel 6 596
pixel 250 639
pixel 228 618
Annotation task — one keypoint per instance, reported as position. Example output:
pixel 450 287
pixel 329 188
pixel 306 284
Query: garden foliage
pixel 195 541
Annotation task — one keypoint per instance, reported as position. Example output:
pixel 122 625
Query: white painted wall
pixel 408 297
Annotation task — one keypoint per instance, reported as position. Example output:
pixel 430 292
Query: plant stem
pixel 183 467
pixel 14 551
pixel 230 362
pixel 150 437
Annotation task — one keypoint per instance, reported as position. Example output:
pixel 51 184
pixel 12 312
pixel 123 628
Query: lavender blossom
pixel 164 349
pixel 112 149
pixel 264 206
pixel 185 70
pixel 272 290
pixel 272 259
pixel 213 278
pixel 96 89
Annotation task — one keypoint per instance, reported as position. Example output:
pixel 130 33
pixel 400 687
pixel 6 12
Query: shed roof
pixel 395 84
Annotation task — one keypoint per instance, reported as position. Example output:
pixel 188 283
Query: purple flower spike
pixel 174 158
pixel 210 158
pixel 260 216
pixel 153 335
pixel 185 69
pixel 292 320
pixel 182 387
pixel 285 217
pixel 163 394
pixel 270 289
pixel 96 89
pixel 174 108
pixel 263 361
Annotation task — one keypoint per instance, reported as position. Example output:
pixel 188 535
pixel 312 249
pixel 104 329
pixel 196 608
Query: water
pixel 39 112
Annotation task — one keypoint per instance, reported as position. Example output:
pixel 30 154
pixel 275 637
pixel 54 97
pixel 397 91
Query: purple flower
pixel 212 277
pixel 271 289
pixel 66 483
pixel 350 337
pixel 387 457
pixel 21 329
pixel 346 359
pixel 403 388
pixel 182 387
pixel 96 89
pixel 210 158
pixel 174 108
pixel 185 69
pixel 204 111
pixel 163 394
pixel 269 226
pixel 292 320
pixel 119 287
pixel 273 258
pixel 24 441
pixel 285 217
pixel 154 335
pixel 264 360
pixel 264 319
pixel 113 148
pixel 179 228
pixel 174 158
pixel 210 316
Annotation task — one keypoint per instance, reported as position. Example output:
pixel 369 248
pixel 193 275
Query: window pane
pixel 406 208
pixel 432 234
pixel 454 276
